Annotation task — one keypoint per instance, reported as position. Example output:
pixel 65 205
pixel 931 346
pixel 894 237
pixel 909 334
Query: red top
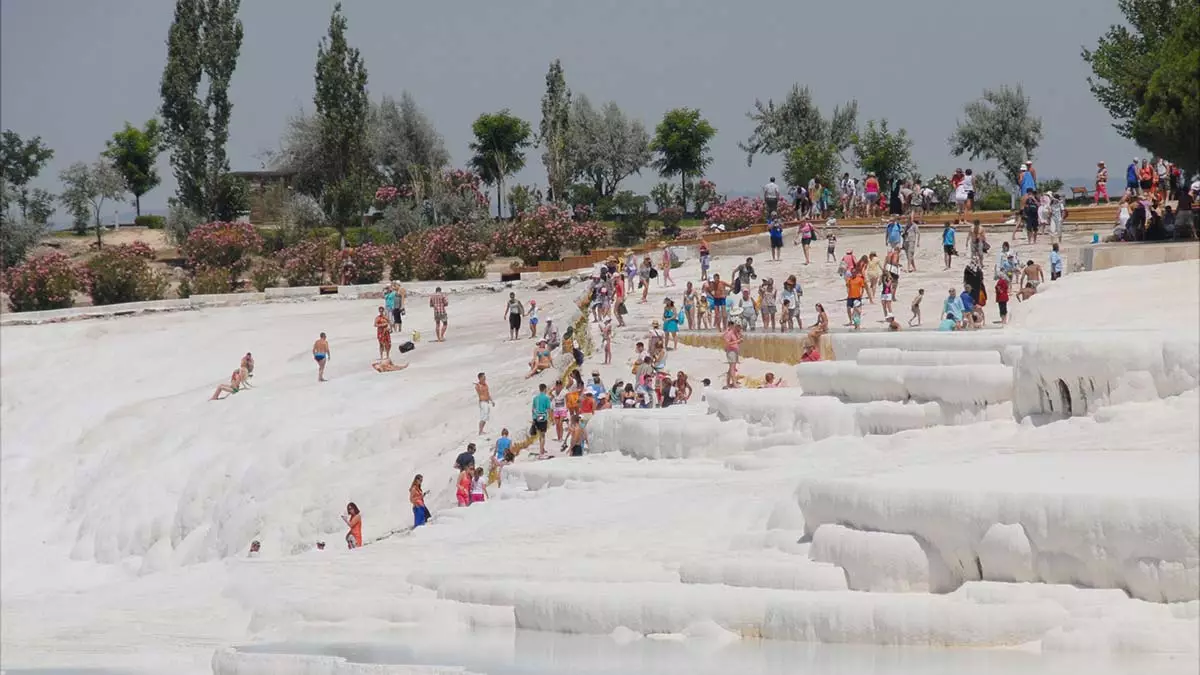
pixel 1002 290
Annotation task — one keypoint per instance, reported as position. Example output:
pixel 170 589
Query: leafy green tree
pixel 1145 75
pixel 499 147
pixel 203 45
pixel 91 185
pixel 796 123
pixel 133 153
pixel 343 110
pixel 554 130
pixel 999 126
pixel 20 162
pixel 812 160
pixel 887 154
pixel 681 143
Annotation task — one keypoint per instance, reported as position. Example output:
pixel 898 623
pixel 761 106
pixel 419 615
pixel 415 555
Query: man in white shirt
pixel 771 198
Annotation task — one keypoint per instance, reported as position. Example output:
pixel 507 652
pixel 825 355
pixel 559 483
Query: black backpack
pixel 407 347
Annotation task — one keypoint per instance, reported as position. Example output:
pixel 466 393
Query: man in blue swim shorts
pixel 321 355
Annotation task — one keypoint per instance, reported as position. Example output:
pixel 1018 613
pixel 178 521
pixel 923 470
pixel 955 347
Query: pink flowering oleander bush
pixel 44 282
pixel 362 264
pixel 705 195
pixel 385 195
pixel 742 212
pixel 401 258
pixel 583 212
pixel 541 234
pixel 265 274
pixel 450 252
pixel 222 245
pixel 305 263
pixel 123 274
pixel 588 235
pixel 465 182
pixel 209 281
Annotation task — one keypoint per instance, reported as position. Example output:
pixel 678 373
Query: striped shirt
pixel 438 302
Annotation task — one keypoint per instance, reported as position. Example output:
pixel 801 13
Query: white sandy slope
pixel 129 501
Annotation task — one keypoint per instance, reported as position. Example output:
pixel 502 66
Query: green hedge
pixel 152 222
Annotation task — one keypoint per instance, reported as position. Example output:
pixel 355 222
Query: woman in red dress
pixel 383 333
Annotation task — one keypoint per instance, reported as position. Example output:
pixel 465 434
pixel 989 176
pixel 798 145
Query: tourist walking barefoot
pixel 619 303
pixel 766 303
pixel 353 519
pixel 439 302
pixel 666 266
pixel 514 310
pixel 719 290
pixel 645 273
pixel 540 413
pixel 416 497
pixel 321 355
pixel 533 319
pixel 484 394
pixel 874 274
pixel 670 325
pixel 606 338
pixel 916 308
pixel 733 345
pixel 383 334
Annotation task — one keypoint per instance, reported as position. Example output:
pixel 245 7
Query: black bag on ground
pixel 407 347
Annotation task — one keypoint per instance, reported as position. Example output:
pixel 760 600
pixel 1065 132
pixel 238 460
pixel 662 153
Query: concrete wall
pixel 1104 256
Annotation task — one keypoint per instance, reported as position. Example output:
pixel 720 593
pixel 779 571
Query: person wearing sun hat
pixel 1101 183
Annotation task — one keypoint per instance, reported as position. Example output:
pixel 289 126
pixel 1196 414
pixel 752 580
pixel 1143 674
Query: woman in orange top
pixel 354 520
pixel 416 497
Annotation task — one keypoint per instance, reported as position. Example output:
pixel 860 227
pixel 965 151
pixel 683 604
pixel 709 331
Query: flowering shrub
pixel 304 264
pixel 706 195
pixel 222 245
pixel 583 212
pixel 384 196
pixel 44 282
pixel 541 234
pixel 361 264
pixel 450 252
pixel 585 236
pixel 401 257
pixel 447 252
pixel 461 181
pixel 209 281
pixel 264 274
pixel 123 274
pixel 741 212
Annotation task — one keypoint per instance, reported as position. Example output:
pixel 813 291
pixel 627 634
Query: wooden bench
pixel 1080 193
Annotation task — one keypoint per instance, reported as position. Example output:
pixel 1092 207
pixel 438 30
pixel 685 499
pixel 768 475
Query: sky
pixel 73 71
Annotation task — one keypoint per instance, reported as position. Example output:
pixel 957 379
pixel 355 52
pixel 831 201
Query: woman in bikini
pixel 822 325
pixel 541 359
pixel 235 385
pixel 689 306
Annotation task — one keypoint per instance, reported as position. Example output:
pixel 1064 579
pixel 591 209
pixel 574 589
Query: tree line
pixel 1143 72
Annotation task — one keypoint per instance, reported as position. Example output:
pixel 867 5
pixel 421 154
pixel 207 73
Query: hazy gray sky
pixel 72 71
